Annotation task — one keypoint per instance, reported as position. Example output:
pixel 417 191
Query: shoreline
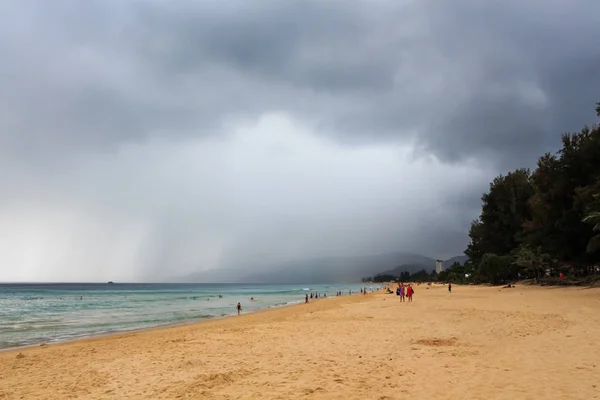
pixel 57 319
pixel 136 330
pixel 483 342
pixel 191 323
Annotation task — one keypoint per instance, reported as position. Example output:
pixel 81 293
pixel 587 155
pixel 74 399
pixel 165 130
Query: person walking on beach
pixel 409 293
pixel 450 287
pixel 402 292
pixel 306 298
pixel 239 308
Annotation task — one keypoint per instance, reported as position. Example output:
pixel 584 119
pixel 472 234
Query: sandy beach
pixel 473 343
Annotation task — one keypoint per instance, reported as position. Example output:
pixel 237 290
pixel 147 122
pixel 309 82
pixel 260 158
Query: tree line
pixel 535 223
pixel 455 273
pixel 548 220
pixel 418 276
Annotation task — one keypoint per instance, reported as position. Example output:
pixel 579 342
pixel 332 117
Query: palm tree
pixel 593 217
pixel 532 259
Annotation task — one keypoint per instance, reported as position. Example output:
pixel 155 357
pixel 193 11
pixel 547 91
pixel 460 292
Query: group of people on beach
pixel 363 291
pixel 317 295
pixel 405 291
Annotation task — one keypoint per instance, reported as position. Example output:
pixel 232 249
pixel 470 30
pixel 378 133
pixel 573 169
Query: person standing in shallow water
pixel 239 308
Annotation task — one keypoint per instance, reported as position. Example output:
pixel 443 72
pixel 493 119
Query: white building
pixel 439 266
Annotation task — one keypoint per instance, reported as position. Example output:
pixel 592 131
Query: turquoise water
pixel 46 313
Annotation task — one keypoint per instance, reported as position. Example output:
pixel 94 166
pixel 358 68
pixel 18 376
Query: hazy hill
pixel 321 270
pixel 430 267
pixel 459 259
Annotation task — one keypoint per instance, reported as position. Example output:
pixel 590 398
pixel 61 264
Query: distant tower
pixel 439 266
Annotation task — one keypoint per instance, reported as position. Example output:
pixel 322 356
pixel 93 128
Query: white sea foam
pixel 34 314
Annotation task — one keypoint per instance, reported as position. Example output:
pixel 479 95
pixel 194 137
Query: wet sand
pixel 475 343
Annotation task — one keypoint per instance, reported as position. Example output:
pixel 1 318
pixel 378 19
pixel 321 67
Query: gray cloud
pixel 100 98
pixel 459 77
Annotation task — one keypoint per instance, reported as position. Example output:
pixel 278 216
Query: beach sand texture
pixel 475 343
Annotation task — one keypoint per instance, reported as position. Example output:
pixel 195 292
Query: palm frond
pixel 593 218
pixel 593 244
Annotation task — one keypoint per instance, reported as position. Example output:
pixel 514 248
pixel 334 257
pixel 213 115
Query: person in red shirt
pixel 409 293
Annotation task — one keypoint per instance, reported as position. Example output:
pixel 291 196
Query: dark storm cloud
pixel 500 79
pixel 536 73
pixel 462 77
pixel 303 43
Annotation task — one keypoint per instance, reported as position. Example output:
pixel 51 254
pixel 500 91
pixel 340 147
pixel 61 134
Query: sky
pixel 146 139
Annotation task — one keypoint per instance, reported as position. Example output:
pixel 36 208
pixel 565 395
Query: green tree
pixel 546 204
pixel 564 186
pixel 531 259
pixel 384 278
pixel 404 276
pixel 554 213
pixel 499 228
pixel 497 269
pixel 593 217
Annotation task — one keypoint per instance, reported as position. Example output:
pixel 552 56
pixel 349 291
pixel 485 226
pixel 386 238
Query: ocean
pixel 46 313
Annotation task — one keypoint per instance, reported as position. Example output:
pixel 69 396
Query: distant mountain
pixel 341 269
pixel 459 259
pixel 321 270
pixel 413 267
pixel 407 267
